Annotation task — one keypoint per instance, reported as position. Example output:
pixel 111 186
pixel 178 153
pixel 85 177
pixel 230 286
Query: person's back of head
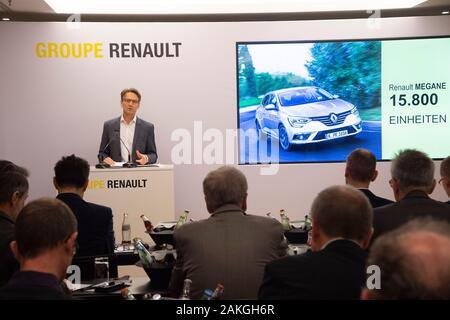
pixel 412 170
pixel 45 227
pixel 360 168
pixel 341 212
pixel 71 172
pixel 8 166
pixel 226 185
pixel 13 192
pixel 445 175
pixel 414 261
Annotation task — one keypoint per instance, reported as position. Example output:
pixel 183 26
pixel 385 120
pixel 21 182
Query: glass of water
pixel 102 268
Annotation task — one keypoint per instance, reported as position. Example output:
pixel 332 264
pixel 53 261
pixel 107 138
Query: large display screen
pixel 318 101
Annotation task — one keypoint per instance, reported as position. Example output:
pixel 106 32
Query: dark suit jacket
pixel 335 272
pixel 230 248
pixel 415 204
pixel 144 140
pixel 31 285
pixel 95 225
pixel 374 200
pixel 8 264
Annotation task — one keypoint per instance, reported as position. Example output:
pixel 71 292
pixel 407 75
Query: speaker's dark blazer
pixel 416 204
pixel 335 272
pixel 374 200
pixel 95 225
pixel 144 140
pixel 8 264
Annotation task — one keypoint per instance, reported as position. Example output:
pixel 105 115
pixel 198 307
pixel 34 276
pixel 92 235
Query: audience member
pixel 445 176
pixel 8 166
pixel 13 193
pixel 95 222
pixel 412 181
pixel 414 262
pixel 360 171
pixel 45 241
pixel 335 269
pixel 230 247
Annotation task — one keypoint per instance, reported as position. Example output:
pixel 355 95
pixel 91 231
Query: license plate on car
pixel 336 134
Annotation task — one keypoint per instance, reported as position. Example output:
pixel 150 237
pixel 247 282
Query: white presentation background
pixel 55 107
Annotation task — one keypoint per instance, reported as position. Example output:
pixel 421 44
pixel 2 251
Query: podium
pixel 135 191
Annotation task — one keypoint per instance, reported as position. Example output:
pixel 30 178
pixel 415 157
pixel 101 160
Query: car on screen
pixel 302 115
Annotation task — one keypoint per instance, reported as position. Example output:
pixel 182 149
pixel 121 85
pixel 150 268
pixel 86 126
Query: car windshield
pixel 303 96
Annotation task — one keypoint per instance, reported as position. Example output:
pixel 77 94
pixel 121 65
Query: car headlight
pixel 355 112
pixel 298 122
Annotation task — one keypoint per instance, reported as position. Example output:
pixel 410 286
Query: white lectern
pixel 135 191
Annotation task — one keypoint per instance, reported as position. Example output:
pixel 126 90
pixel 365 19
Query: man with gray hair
pixel 412 181
pixel 335 269
pixel 414 262
pixel 230 247
pixel 445 176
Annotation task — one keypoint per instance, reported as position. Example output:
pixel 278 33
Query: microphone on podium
pixel 101 164
pixel 129 163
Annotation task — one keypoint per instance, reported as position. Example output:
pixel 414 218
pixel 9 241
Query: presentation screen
pixel 318 101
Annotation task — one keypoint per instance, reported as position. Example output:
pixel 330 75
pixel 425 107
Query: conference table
pixel 139 287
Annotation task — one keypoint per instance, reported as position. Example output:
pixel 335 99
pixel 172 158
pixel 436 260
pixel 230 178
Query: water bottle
pixel 284 219
pixel 218 292
pixel 126 230
pixel 182 220
pixel 207 294
pixel 144 255
pixel 147 223
pixel 185 295
pixel 307 224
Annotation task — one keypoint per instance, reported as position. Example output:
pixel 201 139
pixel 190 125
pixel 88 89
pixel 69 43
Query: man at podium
pixel 128 138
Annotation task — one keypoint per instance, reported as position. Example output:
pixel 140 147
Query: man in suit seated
pixel 412 181
pixel 128 135
pixel 13 194
pixel 46 232
pixel 360 171
pixel 335 268
pixel 231 247
pixel 414 262
pixel 95 222
pixel 445 176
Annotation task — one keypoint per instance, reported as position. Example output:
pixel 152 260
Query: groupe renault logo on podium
pixel 118 184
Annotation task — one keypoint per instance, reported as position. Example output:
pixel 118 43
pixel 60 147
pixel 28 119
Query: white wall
pixel 55 107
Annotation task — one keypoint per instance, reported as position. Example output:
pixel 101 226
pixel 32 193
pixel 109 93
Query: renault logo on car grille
pixel 333 118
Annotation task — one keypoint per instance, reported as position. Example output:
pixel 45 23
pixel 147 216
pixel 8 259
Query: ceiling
pixel 38 10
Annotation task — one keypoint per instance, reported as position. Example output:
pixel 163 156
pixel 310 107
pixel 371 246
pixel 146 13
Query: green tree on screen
pixel 351 70
pixel 247 78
